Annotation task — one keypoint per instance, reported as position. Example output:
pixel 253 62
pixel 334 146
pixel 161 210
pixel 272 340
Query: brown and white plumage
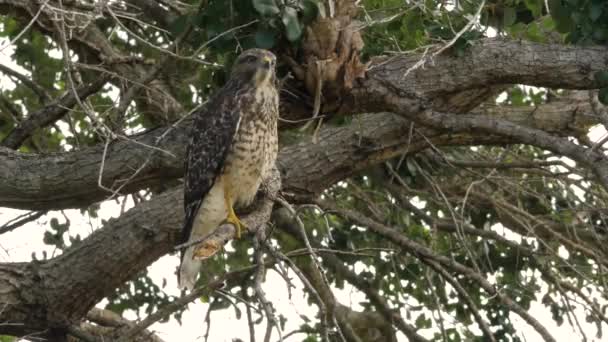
pixel 233 147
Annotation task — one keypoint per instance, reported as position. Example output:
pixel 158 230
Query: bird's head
pixel 255 65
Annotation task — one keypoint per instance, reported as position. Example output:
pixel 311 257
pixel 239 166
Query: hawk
pixel 233 147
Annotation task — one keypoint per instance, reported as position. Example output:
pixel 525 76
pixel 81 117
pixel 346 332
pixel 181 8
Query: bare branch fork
pixel 20 221
pixel 389 314
pixel 126 333
pixel 50 113
pixel 260 274
pixel 426 255
pixel 129 333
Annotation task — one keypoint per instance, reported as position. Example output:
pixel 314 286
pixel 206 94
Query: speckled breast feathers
pixel 233 147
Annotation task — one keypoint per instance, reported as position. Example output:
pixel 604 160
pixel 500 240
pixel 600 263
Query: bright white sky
pixel 20 244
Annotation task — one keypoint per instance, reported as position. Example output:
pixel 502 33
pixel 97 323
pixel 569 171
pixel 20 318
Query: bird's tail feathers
pixel 188 270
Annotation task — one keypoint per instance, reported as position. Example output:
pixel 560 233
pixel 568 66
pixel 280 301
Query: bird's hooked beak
pixel 266 71
pixel 267 62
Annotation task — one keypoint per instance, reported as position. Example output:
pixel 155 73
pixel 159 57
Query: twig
pixel 319 71
pixel 258 241
pixel 322 307
pixel 313 258
pixel 208 320
pixel 81 334
pixel 86 107
pixel 170 308
pixel 236 28
pixel 221 234
pixel 453 41
pixel 102 166
pixel 302 120
pixel 154 147
pixel 43 95
pixel 27 27
pixel 425 254
pixel 466 28
pixel 378 300
pixel 158 48
pixel 50 113
pixel 436 305
pixel 250 322
pixel 20 221
pixel 483 325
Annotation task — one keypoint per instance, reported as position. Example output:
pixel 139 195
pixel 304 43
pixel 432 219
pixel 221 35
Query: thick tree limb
pixel 489 62
pixel 41 295
pixel 594 160
pixel 37 293
pixel 73 274
pixel 37 182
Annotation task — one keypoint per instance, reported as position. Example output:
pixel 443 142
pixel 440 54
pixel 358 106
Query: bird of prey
pixel 233 147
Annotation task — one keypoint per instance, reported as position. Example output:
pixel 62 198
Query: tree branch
pixel 42 94
pixel 425 254
pixel 286 223
pixel 49 114
pixel 20 221
pixel 488 62
pixel 37 182
pixel 117 252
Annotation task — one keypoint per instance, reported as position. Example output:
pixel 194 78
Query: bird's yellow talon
pixel 232 218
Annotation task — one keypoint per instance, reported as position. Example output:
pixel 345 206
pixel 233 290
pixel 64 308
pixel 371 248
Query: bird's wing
pixel 213 130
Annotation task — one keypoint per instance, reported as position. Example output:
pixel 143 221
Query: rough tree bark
pixel 40 295
pixel 35 180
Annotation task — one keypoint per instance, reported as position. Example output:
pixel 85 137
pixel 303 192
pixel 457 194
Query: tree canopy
pixel 445 159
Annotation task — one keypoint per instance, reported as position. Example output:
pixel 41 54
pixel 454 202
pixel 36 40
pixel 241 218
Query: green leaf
pixel 266 7
pixel 310 10
pixel 601 77
pixel 595 11
pixel 548 23
pixel 578 17
pixel 49 238
pixel 561 15
pixel 535 6
pixel 265 38
pixel 178 25
pixel 422 322
pixel 603 96
pixel 534 34
pixel 509 16
pixel 292 25
pixel 517 30
pixel 600 34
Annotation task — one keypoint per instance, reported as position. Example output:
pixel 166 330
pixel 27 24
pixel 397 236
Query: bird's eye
pixel 249 59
